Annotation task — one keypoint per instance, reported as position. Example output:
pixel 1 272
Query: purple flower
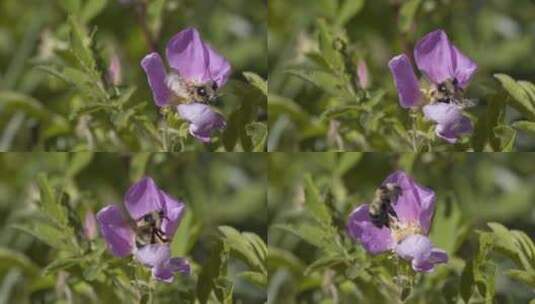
pixel 407 234
pixel 158 258
pixel 143 201
pixel 446 68
pixel 203 120
pixel 194 66
pixel 449 119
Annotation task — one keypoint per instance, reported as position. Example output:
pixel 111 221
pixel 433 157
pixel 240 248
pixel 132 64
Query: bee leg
pixel 161 235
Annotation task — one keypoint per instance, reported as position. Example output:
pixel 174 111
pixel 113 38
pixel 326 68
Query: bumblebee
pixel 380 209
pixel 148 229
pixel 188 92
pixel 449 91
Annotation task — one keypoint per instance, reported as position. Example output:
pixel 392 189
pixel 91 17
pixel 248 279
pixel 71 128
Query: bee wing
pixel 469 102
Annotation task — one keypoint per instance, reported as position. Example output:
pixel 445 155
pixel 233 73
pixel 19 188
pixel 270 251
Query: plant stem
pixel 414 116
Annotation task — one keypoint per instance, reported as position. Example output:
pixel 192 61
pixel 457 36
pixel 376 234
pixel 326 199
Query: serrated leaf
pixel 521 99
pixel 407 13
pixel 315 203
pixel 257 81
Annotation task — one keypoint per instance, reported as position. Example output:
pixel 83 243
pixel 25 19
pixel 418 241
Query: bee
pixel 380 209
pixel 148 228
pixel 188 92
pixel 449 91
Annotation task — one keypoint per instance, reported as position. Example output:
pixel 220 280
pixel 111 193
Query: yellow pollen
pixel 402 230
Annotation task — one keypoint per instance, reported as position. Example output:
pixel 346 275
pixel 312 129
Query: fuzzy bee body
pixel 449 91
pixel 380 210
pixel 185 92
pixel 148 229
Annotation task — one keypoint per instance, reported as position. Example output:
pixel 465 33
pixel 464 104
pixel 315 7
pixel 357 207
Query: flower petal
pixel 204 121
pixel 177 264
pixel 464 67
pixel 433 57
pixel 414 246
pixel 419 250
pixel 165 271
pixel 153 255
pixel 187 54
pixel 142 198
pixel 406 81
pixel 219 67
pixel 359 227
pixel 451 122
pixel 416 202
pixel 155 70
pixel 174 211
pixel 114 227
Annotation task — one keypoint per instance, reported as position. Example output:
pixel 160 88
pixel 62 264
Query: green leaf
pixel 526 126
pixel 406 14
pixel 257 278
pixel 311 234
pixel 324 262
pixel 258 132
pixel 506 138
pixel 92 8
pixel 49 203
pixel 347 10
pixel 256 81
pixel 213 268
pixel 138 165
pixel 347 161
pixel 467 281
pixel 80 45
pixel 242 245
pixel 78 162
pixel 521 98
pixel 10 258
pixel 323 80
pixel 525 277
pixel 315 203
pixel 327 47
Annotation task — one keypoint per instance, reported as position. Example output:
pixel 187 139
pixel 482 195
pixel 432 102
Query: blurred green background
pixel 218 189
pixel 499 35
pixel 471 190
pixel 35 33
